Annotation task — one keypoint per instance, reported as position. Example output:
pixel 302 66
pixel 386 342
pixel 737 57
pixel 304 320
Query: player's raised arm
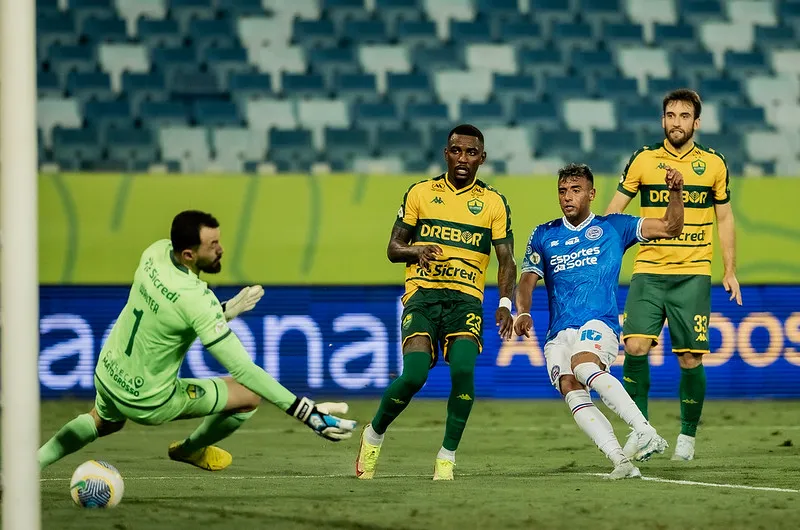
pixel 671 225
pixel 506 277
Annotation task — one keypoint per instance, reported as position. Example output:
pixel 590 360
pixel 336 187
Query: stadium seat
pixel 159 33
pixel 185 11
pixel 157 114
pixel 339 11
pixel 397 142
pixel 452 86
pixel 493 57
pixel 617 89
pixel 752 12
pixel 593 63
pixel 442 12
pixel 730 145
pixel 426 115
pixel 67 58
pixel 106 115
pixel 233 146
pixel 211 113
pixel 695 65
pixel 431 60
pixel 722 90
pixel 381 59
pixel 141 87
pixel 186 145
pixel 538 115
pixel 84 9
pixel 658 88
pixel 313 33
pixel 303 85
pixel 136 146
pixel 223 62
pixel 104 30
pixel 701 11
pixel 352 88
pixel 510 89
pixel 641 63
pixel 309 9
pixel 245 86
pixel 292 150
pixel 132 10
pixel 365 32
pixel 600 11
pixel 372 116
pixel 345 144
pixel 332 62
pixel 57 112
pixel 275 61
pixel 85 86
pixel 207 33
pixel 75 149
pixel 743 118
pixel 768 91
pixel 264 114
pixel 680 38
pixel 404 88
pixel 605 162
pixel 394 12
pixel 191 84
pixel 417 33
pixel 786 62
pixel 240 8
pixel 573 35
pixel 506 142
pixel 784 117
pixel 521 32
pixel 256 31
pixel 640 118
pixel 565 144
pixel 711 116
pixel 620 34
pixel 564 87
pixel 54 28
pixel 541 62
pixel 616 143
pixel 719 37
pixel 767 146
pixel 650 13
pixel 469 32
pixel 550 12
pixel 48 85
pixel 744 65
pixel 772 37
pixel 586 115
pixel 316 115
pixel 482 114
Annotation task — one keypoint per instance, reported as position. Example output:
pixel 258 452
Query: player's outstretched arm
pixel 524 322
pixel 727 239
pixel 400 251
pixel 231 354
pixel 244 301
pixel 671 225
pixel 618 203
pixel 506 277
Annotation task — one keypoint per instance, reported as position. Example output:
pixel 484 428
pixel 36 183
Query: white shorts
pixel 594 336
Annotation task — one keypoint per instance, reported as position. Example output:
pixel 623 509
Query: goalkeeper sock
pixel 693 393
pixel 594 424
pixel 462 357
pixel 213 429
pixel 636 379
pixel 76 434
pixel 613 394
pixel 397 396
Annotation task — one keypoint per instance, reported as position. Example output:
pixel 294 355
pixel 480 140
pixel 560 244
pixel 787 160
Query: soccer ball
pixel 96 484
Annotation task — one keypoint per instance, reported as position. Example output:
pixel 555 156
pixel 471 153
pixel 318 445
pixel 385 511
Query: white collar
pixel 581 226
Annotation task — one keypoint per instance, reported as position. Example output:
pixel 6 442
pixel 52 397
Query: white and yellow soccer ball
pixel 96 484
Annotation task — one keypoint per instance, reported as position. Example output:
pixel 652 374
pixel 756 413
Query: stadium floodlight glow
pixel 19 290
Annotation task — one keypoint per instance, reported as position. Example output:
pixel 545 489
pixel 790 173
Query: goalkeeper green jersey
pixel 168 308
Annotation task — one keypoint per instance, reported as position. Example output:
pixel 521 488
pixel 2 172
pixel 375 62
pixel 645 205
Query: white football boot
pixel 648 443
pixel 624 469
pixel 684 448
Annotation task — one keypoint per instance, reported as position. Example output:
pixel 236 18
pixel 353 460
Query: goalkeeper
pixel 136 377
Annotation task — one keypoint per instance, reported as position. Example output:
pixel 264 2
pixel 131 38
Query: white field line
pixel 347 475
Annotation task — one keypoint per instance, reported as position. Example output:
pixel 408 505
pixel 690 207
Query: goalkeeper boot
pixel 624 469
pixel 648 442
pixel 367 459
pixel 684 448
pixel 443 469
pixel 210 458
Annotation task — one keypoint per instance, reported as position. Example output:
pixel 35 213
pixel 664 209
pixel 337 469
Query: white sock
pixel 372 437
pixel 613 394
pixel 594 424
pixel 446 454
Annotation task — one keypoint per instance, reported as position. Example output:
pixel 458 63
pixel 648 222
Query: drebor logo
pixel 579 258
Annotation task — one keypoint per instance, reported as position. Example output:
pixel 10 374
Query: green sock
pixel 636 379
pixel 397 396
pixel 76 434
pixel 462 357
pixel 693 393
pixel 214 428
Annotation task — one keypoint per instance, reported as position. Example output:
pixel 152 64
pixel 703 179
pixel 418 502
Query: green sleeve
pixel 231 354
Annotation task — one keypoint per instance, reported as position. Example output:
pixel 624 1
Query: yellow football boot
pixel 443 469
pixel 210 458
pixel 367 459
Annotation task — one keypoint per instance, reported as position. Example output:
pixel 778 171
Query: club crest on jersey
pixel 407 320
pixel 195 392
pixel 475 206
pixel 554 373
pixel 536 258
pixel 594 232
pixel 699 167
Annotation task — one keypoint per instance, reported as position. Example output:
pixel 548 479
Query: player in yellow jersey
pixel 672 277
pixel 444 233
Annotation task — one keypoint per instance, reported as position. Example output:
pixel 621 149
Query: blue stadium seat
pixel 239 8
pixel 790 14
pixel 85 9
pixel 75 149
pixel 85 86
pixel 675 38
pixel 597 62
pixel 105 30
pixel 159 33
pixel 48 85
pixel 52 28
pixel 658 88
pixel 432 60
pixel 565 87
pixel 192 84
pixel 727 91
pixel 617 143
pixel 291 149
pixel 640 118
pixel 245 86
pixel 340 11
pixel 510 89
pixel 365 32
pixel 206 33
pixel 730 144
pixel 618 34
pixel 372 116
pixel 137 146
pixel 106 115
pixel 168 59
pixel 742 65
pixel 497 13
pixel 303 85
pixel 310 33
pixel 47 7
pixel 158 114
pixel 356 87
pixel 701 11
pixel 417 33
pixel 769 37
pixel 184 11
pixel 332 62
pixel 566 144
pixel 743 118
pixel 573 35
pixel 210 113
pixel 346 144
pixel 521 33
pixel 540 115
pixel 550 12
pixel 482 114
pixel 697 64
pixel 393 12
pixel 541 62
pixel 619 89
pixel 141 87
pixel 425 115
pixel 66 58
pixel 398 142
pixel 604 162
pixel 465 32
pixel 223 62
pixel 403 88
pixel 601 10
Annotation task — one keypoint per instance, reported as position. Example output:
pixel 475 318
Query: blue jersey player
pixel 579 258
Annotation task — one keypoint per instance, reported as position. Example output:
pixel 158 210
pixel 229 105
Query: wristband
pixel 505 302
pixel 525 315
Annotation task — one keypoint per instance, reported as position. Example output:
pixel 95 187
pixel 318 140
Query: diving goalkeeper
pixel 136 377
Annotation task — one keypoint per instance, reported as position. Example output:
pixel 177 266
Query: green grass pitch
pixel 520 465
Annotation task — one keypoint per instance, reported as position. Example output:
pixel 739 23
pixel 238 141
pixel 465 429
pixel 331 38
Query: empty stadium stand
pixel 373 85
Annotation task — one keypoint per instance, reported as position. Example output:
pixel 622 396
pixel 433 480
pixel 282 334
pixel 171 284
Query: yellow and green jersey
pixel 464 223
pixel 706 183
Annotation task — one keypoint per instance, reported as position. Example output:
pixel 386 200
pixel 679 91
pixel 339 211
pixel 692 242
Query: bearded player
pixel 444 233
pixel 672 278
pixel 136 377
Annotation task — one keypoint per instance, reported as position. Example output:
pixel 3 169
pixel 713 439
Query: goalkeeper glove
pixel 242 302
pixel 318 417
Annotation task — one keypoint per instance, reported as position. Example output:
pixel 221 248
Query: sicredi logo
pixel 579 258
